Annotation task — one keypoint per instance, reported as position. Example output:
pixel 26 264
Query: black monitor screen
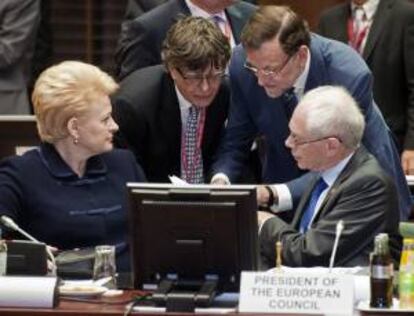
pixel 192 233
pixel 18 133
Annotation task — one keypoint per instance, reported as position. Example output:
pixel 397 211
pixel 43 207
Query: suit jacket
pixel 148 113
pixel 141 43
pixel 137 7
pixel 19 20
pixel 252 112
pixel 388 52
pixel 363 196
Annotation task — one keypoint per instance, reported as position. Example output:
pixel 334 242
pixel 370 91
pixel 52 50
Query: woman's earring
pixel 75 140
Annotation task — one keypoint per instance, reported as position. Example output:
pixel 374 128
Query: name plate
pixel 296 293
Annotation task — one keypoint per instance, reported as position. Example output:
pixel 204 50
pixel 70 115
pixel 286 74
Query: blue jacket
pixel 253 113
pixel 47 199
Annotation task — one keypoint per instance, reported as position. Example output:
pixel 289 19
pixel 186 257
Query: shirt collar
pixel 197 11
pixel 299 85
pixel 370 7
pixel 58 167
pixel 183 102
pixel 331 174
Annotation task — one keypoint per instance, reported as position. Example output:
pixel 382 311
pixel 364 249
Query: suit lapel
pixel 340 28
pixel 381 16
pixel 349 169
pixel 170 118
pixel 237 22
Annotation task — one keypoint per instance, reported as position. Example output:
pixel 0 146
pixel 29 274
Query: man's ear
pixel 173 73
pixel 333 144
pixel 303 52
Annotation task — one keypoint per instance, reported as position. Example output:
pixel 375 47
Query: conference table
pixel 116 306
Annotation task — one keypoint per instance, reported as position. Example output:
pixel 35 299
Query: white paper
pixel 178 181
pixel 27 291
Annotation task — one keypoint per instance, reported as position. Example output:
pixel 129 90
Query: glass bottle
pixel 406 275
pixel 382 271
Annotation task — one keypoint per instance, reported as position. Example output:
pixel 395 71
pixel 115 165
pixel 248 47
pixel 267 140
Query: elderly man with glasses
pixel 347 184
pixel 172 116
pixel 279 61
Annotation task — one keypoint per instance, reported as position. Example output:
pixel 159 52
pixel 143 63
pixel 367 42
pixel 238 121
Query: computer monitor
pixel 18 133
pixel 192 233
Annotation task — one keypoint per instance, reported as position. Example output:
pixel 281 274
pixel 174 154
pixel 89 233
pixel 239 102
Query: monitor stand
pixel 184 296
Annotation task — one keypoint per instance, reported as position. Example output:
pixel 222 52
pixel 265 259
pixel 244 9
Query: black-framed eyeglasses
pixel 197 79
pixel 270 71
pixel 297 142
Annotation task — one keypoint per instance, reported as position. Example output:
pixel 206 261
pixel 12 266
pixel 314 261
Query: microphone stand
pixel 8 222
pixel 339 229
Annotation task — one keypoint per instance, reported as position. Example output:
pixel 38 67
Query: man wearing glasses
pixel 279 61
pixel 172 116
pixel 347 184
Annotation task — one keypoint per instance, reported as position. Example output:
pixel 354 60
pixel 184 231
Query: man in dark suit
pixel 140 42
pixel 278 54
pixel 136 8
pixel 154 104
pixel 348 184
pixel 387 47
pixel 19 20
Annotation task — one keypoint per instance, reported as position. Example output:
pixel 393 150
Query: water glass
pixel 104 265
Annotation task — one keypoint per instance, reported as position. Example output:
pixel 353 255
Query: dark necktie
pixel 192 162
pixel 290 101
pixel 310 209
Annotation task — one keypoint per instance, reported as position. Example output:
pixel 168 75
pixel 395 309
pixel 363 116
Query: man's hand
pixel 219 181
pixel 263 217
pixel 407 161
pixel 262 195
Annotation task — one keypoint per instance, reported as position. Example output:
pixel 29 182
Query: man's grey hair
pixel 332 111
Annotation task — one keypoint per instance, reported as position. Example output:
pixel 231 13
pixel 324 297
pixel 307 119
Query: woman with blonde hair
pixel 70 191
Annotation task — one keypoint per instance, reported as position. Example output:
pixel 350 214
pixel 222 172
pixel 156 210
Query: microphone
pixel 339 229
pixel 9 223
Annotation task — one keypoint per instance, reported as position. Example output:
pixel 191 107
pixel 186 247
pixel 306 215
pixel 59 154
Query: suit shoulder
pixel 123 163
pixel 369 170
pixel 118 155
pixel 333 12
pixel 159 18
pixel 244 7
pixel 141 86
pixel 339 58
pixel 26 161
pixel 404 10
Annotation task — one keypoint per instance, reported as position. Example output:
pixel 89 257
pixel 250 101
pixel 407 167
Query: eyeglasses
pixel 295 142
pixel 269 71
pixel 197 79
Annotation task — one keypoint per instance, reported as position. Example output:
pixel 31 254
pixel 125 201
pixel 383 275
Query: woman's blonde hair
pixel 64 91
